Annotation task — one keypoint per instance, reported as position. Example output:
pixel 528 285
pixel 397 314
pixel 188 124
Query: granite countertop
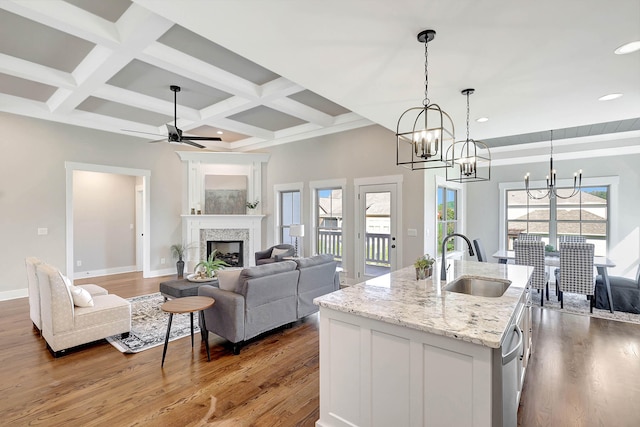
pixel 398 298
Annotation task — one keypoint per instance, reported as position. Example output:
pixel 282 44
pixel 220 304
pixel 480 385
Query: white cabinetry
pixel 376 374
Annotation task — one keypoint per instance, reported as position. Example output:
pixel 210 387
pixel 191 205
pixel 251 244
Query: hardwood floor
pixel 272 382
pixel 584 372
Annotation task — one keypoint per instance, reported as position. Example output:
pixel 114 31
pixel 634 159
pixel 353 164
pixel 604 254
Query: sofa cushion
pixel 263 270
pixel 67 282
pixel 314 260
pixel 228 278
pixel 81 297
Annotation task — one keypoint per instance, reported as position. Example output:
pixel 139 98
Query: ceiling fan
pixel 175 134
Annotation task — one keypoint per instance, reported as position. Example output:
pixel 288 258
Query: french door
pixel 376 237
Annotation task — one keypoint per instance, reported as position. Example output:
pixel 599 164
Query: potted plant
pixel 252 205
pixel 177 251
pixel 211 265
pixel 424 266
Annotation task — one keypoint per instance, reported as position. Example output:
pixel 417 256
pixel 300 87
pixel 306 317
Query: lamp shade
pixel 296 230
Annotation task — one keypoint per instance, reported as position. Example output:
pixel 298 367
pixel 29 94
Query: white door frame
pixel 70 167
pixel 360 185
pixel 139 227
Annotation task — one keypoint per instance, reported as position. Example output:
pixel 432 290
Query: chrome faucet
pixel 443 270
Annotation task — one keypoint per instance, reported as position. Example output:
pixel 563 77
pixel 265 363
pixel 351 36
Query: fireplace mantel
pixel 247 228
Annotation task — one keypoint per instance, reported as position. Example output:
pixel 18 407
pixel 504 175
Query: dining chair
pixel 572 239
pixel 480 253
pixel 576 271
pixel 526 237
pixel 531 253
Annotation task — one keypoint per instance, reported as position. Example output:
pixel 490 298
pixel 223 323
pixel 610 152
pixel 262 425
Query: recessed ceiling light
pixel 482 119
pixel 628 48
pixel 219 132
pixel 610 97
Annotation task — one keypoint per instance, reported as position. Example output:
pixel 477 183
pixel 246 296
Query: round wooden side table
pixel 187 305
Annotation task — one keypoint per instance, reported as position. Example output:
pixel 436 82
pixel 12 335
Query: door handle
pixel 393 246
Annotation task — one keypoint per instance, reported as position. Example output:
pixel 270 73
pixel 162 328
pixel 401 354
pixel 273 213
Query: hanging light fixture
pixel 423 132
pixel 474 158
pixel 552 189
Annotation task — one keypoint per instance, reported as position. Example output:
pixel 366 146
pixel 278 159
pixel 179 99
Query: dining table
pixel 552 259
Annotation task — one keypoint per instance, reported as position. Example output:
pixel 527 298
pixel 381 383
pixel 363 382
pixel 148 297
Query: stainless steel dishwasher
pixel 505 378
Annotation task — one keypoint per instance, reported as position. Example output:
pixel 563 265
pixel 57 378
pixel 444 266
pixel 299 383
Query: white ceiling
pixel 269 72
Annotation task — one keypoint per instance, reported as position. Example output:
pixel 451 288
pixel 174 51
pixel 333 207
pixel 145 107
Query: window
pixel 447 216
pixel 329 222
pixel 289 207
pixel 585 214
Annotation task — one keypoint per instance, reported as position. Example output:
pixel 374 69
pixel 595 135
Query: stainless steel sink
pixel 481 287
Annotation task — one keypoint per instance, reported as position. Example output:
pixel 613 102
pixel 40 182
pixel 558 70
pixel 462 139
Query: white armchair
pixel 31 264
pixel 65 326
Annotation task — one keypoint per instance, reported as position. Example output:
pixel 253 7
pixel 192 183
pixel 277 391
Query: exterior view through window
pixel 329 226
pixel 585 214
pixel 447 217
pixel 289 214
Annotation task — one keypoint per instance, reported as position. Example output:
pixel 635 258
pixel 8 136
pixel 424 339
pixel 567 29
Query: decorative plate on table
pixel 195 278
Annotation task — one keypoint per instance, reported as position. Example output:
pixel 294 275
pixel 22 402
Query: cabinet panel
pixel 344 364
pixel 448 383
pixel 390 380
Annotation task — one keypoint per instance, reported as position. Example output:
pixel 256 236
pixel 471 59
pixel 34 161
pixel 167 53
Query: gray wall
pixel 32 189
pixel 483 201
pixel 103 212
pixel 365 152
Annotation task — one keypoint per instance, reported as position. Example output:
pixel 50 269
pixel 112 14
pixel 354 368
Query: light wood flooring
pixel 584 372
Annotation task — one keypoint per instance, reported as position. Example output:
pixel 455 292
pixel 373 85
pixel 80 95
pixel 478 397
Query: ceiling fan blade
pixel 195 144
pixel 203 138
pixel 138 131
pixel 158 140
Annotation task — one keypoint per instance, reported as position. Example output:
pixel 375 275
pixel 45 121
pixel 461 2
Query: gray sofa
pixel 266 297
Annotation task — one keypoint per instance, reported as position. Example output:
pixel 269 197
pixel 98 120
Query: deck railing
pixel 377 244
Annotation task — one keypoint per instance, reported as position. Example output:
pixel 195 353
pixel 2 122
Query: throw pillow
pixel 228 279
pixel 81 297
pixel 275 252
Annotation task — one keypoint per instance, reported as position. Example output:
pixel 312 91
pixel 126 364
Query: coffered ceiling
pixel 272 72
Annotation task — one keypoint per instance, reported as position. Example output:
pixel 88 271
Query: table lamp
pixel 296 230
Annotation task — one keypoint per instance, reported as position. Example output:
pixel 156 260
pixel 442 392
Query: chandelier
pixel 552 189
pixel 423 132
pixel 473 159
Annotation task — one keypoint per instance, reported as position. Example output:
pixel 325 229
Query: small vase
pixel 423 273
pixel 180 268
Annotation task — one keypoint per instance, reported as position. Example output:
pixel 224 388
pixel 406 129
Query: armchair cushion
pixel 81 297
pixel 278 253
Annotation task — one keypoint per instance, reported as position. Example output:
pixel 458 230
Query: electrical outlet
pixel 412 232
pixel 130 226
pixel 163 261
pixel 43 231
pixel 78 263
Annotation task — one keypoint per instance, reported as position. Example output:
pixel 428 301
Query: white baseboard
pixel 14 294
pixel 164 272
pixel 104 272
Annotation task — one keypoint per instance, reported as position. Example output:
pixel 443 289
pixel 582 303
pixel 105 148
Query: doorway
pixel 144 179
pixel 378 247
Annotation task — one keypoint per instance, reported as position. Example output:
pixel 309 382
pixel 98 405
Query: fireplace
pixel 229 251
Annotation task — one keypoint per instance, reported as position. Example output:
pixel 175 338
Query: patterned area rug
pixel 149 325
pixel 578 304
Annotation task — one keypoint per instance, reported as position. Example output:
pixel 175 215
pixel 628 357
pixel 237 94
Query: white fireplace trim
pixel 239 225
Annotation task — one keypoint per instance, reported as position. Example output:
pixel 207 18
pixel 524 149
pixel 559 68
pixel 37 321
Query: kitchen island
pixel 399 351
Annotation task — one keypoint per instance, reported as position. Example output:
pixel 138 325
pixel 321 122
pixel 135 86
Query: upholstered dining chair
pixel 480 253
pixel 531 253
pixel 576 271
pixel 526 237
pixel 572 239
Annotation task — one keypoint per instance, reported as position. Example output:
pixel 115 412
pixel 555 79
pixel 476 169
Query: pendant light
pixel 471 159
pixel 552 189
pixel 423 133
